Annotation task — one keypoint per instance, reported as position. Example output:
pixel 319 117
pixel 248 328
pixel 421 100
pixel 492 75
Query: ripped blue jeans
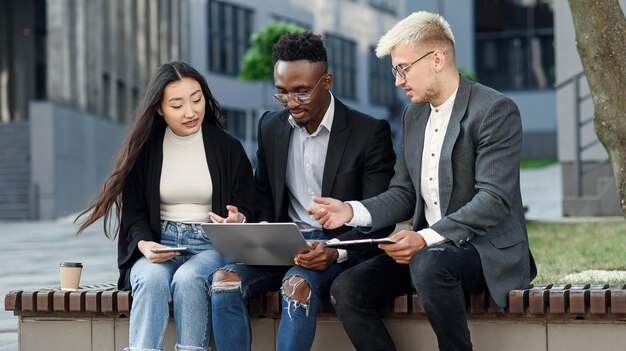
pixel 184 280
pixel 231 325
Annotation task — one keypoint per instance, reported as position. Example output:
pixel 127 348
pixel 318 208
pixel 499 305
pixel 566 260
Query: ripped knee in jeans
pixel 296 292
pixel 225 280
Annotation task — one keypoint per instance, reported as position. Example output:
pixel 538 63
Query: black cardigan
pixel 233 184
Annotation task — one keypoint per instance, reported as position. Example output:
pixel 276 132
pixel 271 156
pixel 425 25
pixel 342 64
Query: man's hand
pixel 331 213
pixel 318 258
pixel 408 243
pixel 234 216
pixel 155 257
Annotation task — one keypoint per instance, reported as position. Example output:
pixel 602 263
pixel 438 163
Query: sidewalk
pixel 542 193
pixel 32 252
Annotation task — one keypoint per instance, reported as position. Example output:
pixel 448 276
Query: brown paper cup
pixel 70 275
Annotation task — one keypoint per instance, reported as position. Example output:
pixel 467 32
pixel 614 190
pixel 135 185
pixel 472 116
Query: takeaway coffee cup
pixel 70 275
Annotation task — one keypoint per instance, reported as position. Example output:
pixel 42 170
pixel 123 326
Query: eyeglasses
pixel 402 71
pixel 300 98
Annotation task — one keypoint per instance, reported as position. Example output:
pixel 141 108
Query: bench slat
pixel 401 304
pixel 558 299
pixel 108 301
pixel 29 301
pixel 618 300
pixel 92 301
pixel 478 303
pixel 77 301
pixel 541 301
pixel 13 301
pixel 124 301
pixel 518 301
pixel 598 299
pixel 60 301
pixel 538 299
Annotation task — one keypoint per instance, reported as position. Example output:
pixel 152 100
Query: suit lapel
pixel 452 133
pixel 281 151
pixel 415 132
pixel 336 145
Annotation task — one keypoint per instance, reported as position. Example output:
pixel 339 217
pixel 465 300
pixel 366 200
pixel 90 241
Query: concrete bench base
pixel 111 334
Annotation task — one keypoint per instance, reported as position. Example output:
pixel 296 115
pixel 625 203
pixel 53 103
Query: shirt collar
pixel 327 120
pixel 446 107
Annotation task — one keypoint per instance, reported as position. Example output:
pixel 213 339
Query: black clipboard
pixel 349 243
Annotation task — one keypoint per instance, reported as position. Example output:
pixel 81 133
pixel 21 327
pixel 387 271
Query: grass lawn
pixel 561 249
pixel 531 163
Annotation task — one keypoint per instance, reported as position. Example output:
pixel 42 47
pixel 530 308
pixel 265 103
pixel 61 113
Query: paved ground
pixel 31 254
pixel 33 250
pixel 542 192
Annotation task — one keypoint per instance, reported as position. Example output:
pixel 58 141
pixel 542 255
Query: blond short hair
pixel 419 27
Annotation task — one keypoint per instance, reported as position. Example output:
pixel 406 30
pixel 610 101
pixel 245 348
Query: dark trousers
pixel 441 274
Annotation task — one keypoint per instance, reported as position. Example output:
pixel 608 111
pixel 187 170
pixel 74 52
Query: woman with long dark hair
pixel 175 166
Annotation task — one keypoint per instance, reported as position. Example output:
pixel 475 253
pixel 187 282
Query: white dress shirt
pixel 305 170
pixel 429 185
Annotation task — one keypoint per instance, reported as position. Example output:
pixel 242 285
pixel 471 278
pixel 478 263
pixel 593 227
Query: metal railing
pixel 580 123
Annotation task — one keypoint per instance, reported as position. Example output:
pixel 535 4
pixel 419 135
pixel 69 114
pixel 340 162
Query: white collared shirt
pixel 433 141
pixel 305 170
pixel 434 135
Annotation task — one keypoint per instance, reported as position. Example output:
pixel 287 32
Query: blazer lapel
pixel 281 151
pixel 454 127
pixel 210 143
pixel 413 154
pixel 336 145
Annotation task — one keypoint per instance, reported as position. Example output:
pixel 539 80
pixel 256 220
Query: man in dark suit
pixel 458 180
pixel 316 146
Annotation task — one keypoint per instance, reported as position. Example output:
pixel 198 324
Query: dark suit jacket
pixel 231 174
pixel 359 164
pixel 479 187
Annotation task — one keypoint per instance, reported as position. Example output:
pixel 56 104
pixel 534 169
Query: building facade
pixel 88 62
pixel 71 73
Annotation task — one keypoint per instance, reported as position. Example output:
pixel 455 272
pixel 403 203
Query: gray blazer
pixel 479 185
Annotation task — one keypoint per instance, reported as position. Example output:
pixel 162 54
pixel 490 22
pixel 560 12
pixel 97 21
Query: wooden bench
pixel 542 317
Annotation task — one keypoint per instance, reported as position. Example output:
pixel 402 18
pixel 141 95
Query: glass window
pixel 235 122
pixel 382 85
pixel 515 44
pixel 342 64
pixel 230 28
pixel 389 6
pixel 285 19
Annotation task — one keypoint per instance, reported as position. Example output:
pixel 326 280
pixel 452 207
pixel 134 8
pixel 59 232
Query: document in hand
pixel 268 244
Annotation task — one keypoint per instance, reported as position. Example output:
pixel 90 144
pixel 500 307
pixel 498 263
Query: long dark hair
pixel 144 121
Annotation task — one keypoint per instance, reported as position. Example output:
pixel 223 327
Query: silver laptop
pixel 269 244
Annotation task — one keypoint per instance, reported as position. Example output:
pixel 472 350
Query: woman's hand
pixel 155 257
pixel 234 216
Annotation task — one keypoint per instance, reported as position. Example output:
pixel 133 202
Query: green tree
pixel 468 74
pixel 600 28
pixel 257 61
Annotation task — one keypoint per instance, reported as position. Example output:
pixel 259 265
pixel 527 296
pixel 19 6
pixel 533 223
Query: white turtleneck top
pixel 186 189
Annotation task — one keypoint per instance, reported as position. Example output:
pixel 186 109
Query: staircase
pixel 15 193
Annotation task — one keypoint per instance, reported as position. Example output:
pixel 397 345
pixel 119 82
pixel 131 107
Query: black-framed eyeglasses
pixel 402 71
pixel 300 98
